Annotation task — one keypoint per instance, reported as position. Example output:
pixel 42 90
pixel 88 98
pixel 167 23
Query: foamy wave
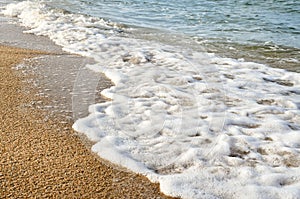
pixel 202 126
pixel 68 30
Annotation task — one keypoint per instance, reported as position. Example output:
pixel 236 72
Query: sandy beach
pixel 41 157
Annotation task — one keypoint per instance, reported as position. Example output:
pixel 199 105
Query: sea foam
pixel 200 125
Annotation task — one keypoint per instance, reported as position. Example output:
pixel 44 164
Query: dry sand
pixel 44 158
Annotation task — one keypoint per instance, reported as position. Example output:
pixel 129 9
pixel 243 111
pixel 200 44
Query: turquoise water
pixel 267 32
pixel 275 22
pixel 262 31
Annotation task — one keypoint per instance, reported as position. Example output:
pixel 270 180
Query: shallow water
pixel 275 22
pixel 264 31
pixel 267 32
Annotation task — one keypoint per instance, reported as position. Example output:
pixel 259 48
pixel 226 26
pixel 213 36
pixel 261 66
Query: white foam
pixel 202 126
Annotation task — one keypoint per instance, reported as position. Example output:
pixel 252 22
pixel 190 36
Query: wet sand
pixel 41 156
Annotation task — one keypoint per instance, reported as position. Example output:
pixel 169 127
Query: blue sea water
pixel 263 31
pixel 244 21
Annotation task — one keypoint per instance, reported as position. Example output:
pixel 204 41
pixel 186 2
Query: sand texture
pixel 41 157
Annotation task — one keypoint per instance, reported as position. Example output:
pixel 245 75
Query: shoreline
pixel 238 89
pixel 41 155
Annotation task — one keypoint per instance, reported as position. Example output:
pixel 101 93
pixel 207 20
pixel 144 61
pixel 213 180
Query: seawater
pixel 263 31
pixel 193 107
pixel 239 21
pixel 267 32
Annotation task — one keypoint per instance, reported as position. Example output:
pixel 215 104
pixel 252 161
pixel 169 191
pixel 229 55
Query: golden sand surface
pixel 44 158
